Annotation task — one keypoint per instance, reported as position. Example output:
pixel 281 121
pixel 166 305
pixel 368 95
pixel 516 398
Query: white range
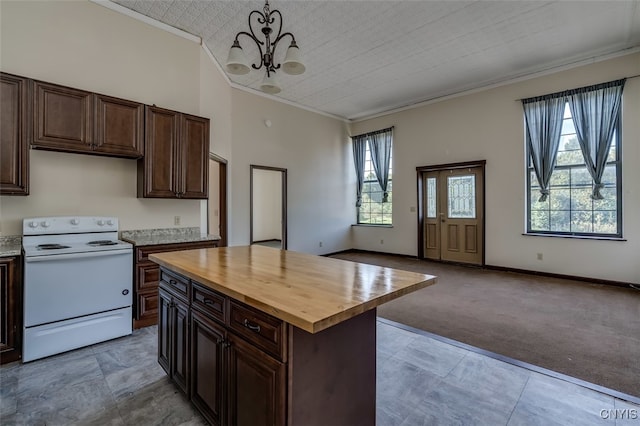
pixel 78 281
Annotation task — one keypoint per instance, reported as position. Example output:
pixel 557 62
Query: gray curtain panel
pixel 359 152
pixel 380 144
pixel 595 111
pixel 543 120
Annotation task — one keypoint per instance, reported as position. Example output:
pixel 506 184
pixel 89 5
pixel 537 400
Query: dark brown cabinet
pixel 207 367
pixel 73 120
pixel 175 164
pixel 233 381
pixel 173 336
pixel 63 118
pixel 10 310
pixel 146 278
pixel 14 139
pixel 257 386
pixel 119 127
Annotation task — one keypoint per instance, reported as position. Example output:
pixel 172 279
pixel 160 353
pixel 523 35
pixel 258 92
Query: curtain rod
pixel 623 78
pixel 375 132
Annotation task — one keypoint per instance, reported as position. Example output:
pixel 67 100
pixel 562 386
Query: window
pixel 373 211
pixel 569 208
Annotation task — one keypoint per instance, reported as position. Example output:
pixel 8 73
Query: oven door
pixel 59 287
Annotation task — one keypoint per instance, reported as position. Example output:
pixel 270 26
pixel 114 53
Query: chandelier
pixel 270 20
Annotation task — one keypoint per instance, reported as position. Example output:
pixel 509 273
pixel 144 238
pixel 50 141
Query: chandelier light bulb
pixel 237 61
pixel 270 83
pixel 292 63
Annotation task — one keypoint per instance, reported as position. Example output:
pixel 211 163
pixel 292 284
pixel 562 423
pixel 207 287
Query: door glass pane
pixel 431 197
pixel 461 192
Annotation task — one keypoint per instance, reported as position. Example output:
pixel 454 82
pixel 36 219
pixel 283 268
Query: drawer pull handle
pixel 252 327
pixel 209 302
pixel 173 282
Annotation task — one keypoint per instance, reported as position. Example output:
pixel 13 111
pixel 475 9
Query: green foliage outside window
pixel 373 211
pixel 569 208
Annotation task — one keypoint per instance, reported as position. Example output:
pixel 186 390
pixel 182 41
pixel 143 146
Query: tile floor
pixel 421 381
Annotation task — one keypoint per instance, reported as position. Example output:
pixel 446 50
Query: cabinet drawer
pixel 209 302
pixel 142 253
pixel 265 331
pixel 176 284
pixel 147 305
pixel 148 277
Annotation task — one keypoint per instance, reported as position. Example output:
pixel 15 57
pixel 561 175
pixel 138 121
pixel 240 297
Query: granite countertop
pixel 310 292
pixel 10 246
pixel 151 237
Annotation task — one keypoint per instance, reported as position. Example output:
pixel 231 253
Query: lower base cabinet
pixel 173 338
pixel 228 379
pixel 208 367
pixel 10 310
pixel 146 277
pixel 240 366
pixel 257 386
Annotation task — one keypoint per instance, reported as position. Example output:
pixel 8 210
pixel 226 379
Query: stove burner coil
pixel 51 246
pixel 102 243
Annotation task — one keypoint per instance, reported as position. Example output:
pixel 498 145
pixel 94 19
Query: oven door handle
pixel 76 255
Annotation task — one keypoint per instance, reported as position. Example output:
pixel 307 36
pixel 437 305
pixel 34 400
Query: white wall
pixel 267 205
pixel 489 126
pixel 87 46
pixel 315 151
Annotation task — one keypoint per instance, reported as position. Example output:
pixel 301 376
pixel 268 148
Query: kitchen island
pixel 256 335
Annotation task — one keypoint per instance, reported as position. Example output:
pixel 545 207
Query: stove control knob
pixel 75 221
pixel 33 224
pixel 110 222
pixel 44 224
pixel 100 222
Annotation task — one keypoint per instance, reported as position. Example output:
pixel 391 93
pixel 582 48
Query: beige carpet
pixel 587 331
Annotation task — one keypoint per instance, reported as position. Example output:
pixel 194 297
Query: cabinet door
pixel 63 118
pixel 10 311
pixel 14 142
pixel 256 386
pixel 119 127
pixel 180 347
pixel 194 157
pixel 159 166
pixel 207 367
pixel 165 325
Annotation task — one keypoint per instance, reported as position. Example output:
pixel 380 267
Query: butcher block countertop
pixel 310 292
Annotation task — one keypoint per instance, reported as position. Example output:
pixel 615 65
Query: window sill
pixel 372 225
pixel 575 237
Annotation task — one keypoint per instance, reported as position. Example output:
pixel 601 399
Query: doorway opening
pixel 268 207
pixel 217 202
pixel 451 212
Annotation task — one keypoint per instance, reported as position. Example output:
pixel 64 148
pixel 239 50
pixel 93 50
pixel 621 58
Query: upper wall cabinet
pixel 72 120
pixel 119 127
pixel 14 141
pixel 175 164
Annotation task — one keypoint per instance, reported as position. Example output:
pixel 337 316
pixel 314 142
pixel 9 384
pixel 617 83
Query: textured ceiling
pixel 366 57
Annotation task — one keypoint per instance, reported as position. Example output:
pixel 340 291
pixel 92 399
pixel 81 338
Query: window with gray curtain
pixel 372 154
pixel 574 174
